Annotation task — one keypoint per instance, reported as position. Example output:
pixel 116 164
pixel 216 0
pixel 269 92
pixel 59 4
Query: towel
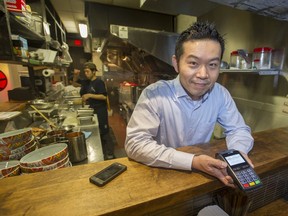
pixel 87 134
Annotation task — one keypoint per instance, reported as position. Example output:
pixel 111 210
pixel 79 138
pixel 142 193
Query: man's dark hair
pixel 197 31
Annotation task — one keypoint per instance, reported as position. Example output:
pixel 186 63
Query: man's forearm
pixel 97 96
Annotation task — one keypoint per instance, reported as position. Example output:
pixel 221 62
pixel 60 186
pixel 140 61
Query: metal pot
pixel 76 146
pixel 224 65
pixel 56 133
pixel 47 141
pixel 68 128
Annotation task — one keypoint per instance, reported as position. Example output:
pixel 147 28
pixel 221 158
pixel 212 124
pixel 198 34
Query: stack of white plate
pixel 45 159
pixel 15 144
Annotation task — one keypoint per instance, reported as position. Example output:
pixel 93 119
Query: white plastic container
pixel 262 58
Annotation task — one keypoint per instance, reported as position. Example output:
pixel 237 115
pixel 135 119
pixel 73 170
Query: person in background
pixel 184 111
pixel 94 93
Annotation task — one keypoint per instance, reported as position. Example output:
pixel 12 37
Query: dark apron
pixel 102 115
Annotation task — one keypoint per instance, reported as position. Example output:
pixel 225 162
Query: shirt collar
pixel 180 91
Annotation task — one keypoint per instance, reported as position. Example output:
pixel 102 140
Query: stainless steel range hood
pixel 139 50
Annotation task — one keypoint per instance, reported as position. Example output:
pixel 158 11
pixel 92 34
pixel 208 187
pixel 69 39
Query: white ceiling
pixel 71 12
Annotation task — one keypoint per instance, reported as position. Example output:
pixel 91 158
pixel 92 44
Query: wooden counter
pixel 138 191
pixel 12 106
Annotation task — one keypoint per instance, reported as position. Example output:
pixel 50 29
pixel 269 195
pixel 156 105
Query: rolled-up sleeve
pixel 141 146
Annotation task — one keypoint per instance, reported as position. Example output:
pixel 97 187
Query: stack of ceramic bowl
pixel 15 144
pixel 9 168
pixel 47 158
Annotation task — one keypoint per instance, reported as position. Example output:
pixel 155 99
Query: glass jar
pixel 262 58
pixel 235 60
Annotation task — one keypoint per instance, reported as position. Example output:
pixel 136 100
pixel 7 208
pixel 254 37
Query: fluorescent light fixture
pixel 83 30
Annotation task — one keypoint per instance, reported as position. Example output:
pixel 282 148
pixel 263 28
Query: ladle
pixel 50 123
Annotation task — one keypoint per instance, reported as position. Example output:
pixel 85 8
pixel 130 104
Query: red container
pixel 17 7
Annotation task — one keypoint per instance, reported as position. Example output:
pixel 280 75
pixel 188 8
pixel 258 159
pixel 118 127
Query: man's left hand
pixel 85 97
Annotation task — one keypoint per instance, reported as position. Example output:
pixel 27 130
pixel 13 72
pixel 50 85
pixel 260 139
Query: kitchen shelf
pixel 17 27
pixel 17 61
pixel 2 8
pixel 253 71
pixel 11 25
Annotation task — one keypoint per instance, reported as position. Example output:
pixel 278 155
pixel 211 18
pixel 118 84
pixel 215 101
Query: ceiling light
pixel 83 30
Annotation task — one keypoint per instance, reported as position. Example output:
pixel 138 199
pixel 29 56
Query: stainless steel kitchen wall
pixel 100 17
pixel 261 99
pixel 144 52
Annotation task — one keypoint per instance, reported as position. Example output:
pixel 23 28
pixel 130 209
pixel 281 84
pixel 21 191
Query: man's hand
pixel 85 97
pixel 76 72
pixel 213 167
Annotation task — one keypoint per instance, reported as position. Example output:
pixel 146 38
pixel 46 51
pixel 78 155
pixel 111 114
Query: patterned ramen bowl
pixel 7 168
pixel 18 154
pixel 45 168
pixel 45 156
pixel 15 139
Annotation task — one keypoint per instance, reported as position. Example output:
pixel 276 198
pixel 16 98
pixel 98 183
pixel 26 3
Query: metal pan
pixel 41 104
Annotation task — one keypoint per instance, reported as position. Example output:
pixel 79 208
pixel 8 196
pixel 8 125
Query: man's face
pixel 88 73
pixel 199 66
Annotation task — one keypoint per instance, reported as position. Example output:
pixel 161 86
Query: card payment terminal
pixel 240 170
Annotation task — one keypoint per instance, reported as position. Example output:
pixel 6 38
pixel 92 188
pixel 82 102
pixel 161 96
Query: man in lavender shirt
pixel 184 111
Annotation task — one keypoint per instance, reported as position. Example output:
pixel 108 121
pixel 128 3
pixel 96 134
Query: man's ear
pixel 174 63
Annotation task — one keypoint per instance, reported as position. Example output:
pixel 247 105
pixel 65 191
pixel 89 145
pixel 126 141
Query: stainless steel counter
pixel 93 142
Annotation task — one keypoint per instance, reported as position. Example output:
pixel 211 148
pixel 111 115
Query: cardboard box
pixel 23 41
pixel 20 46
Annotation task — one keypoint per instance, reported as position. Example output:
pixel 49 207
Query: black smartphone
pixel 240 170
pixel 107 174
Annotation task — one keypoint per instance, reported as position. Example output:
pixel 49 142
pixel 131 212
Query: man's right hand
pixel 76 72
pixel 213 167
